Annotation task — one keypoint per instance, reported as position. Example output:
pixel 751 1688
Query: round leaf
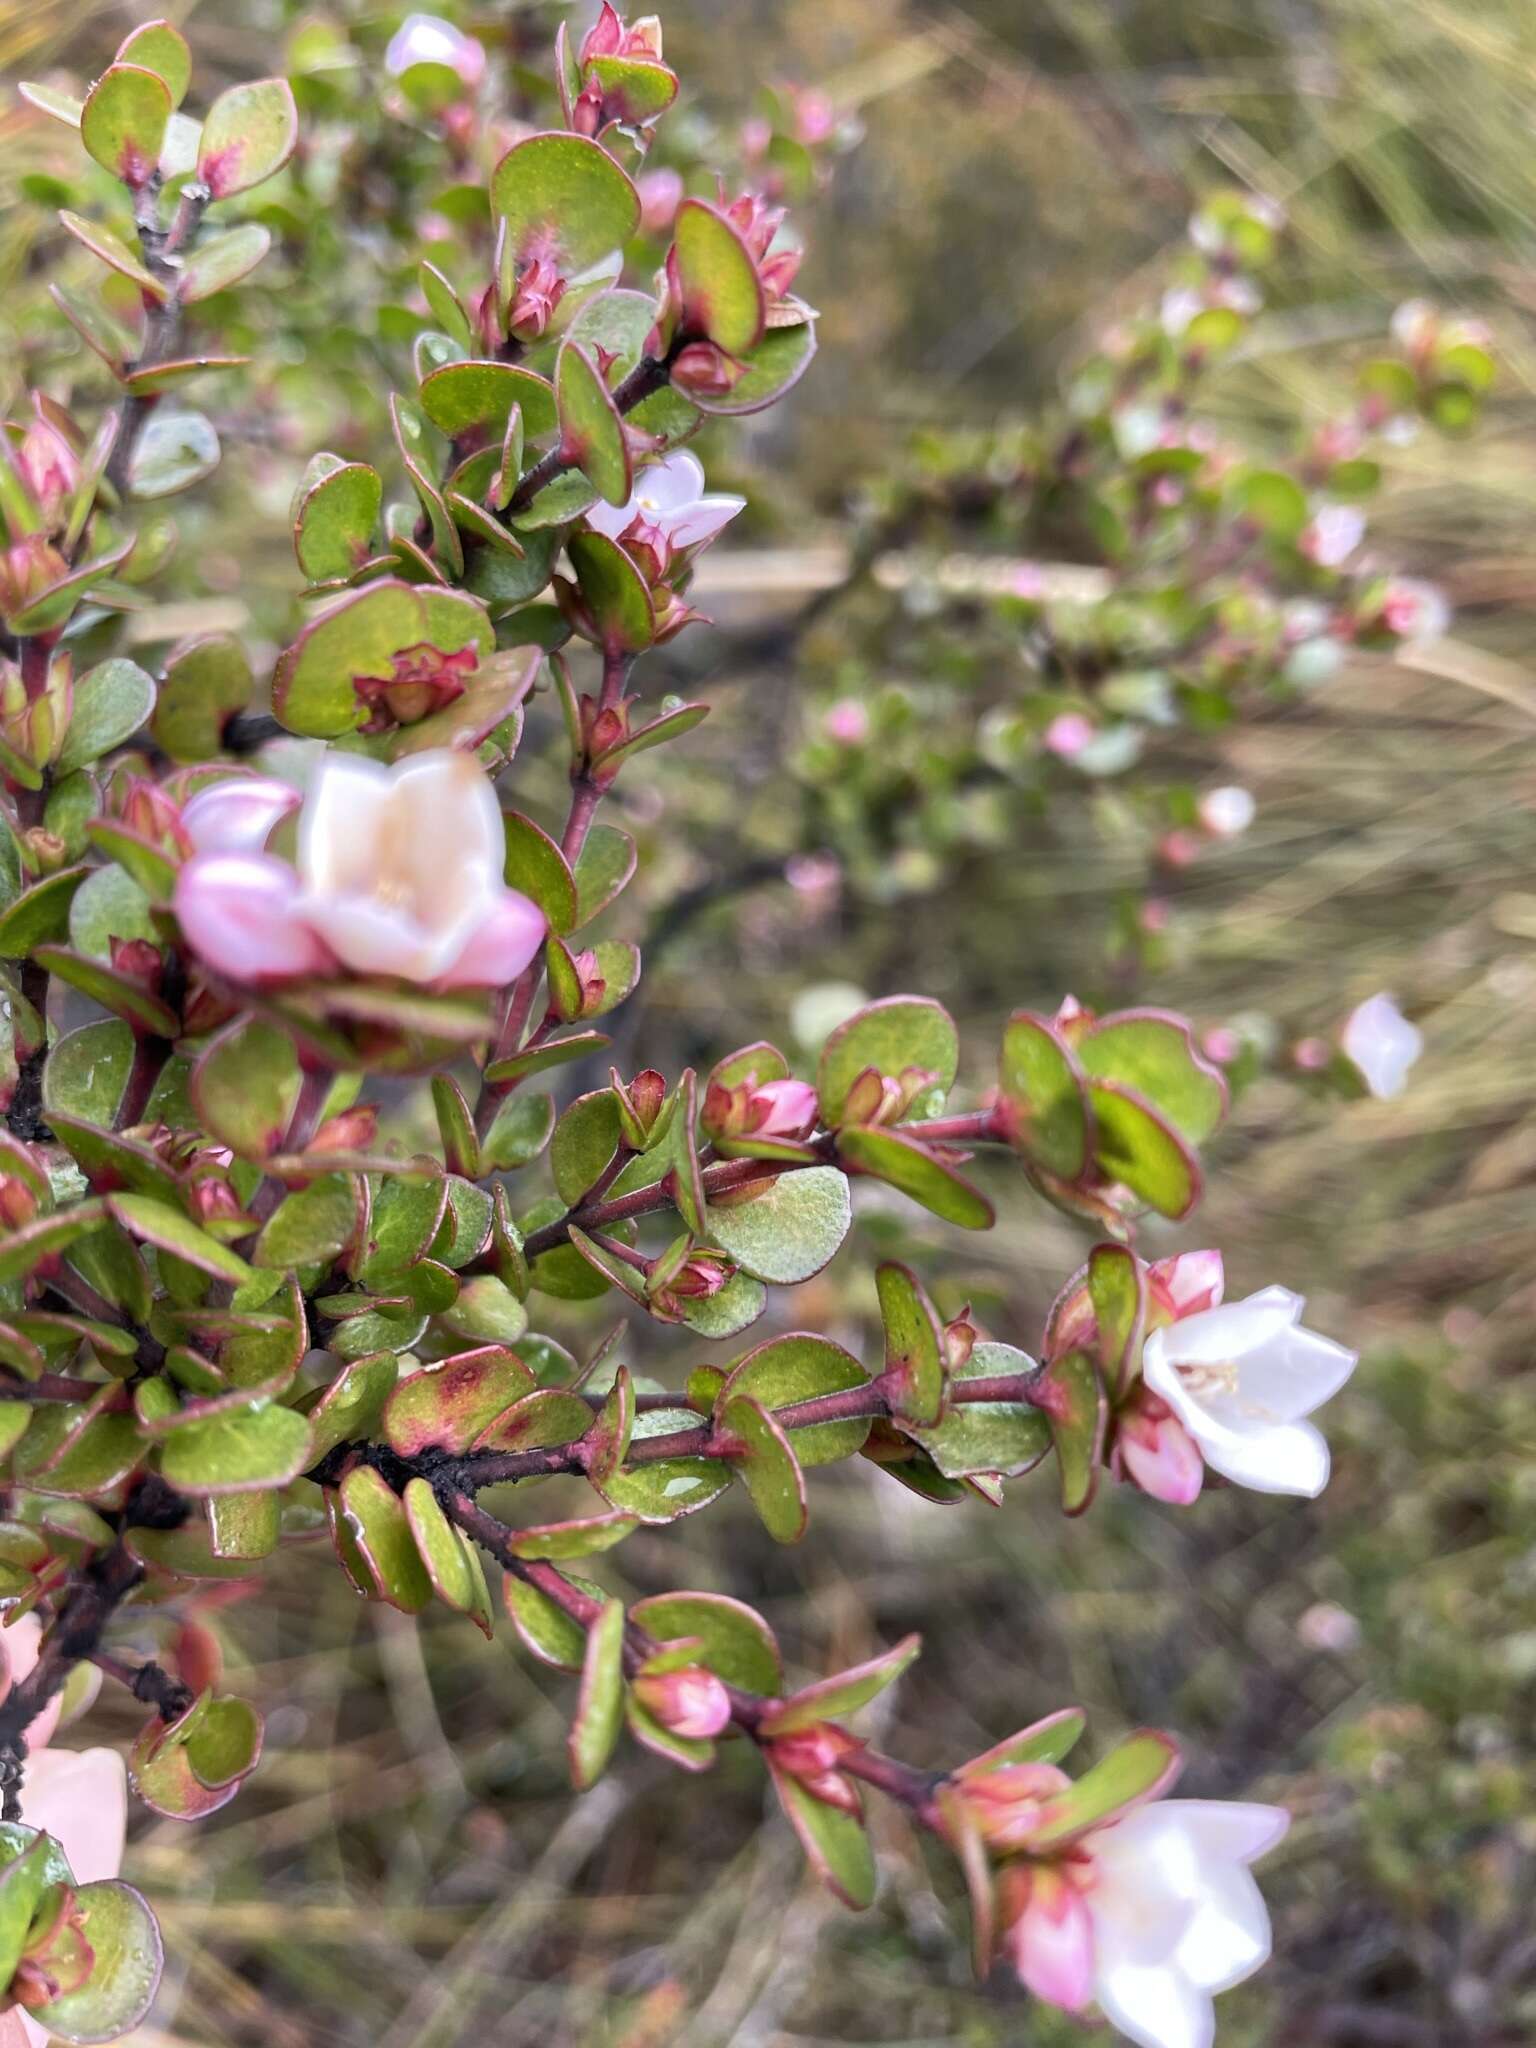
pixel 563 195
pixel 249 134
pixel 790 1230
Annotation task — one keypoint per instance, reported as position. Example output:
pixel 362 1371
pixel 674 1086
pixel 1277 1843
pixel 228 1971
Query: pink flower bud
pixel 661 193
pixel 540 288
pixel 703 368
pixel 28 570
pixel 240 915
pixel 691 1702
pixel 1185 1285
pixel 1007 1803
pixel 48 466
pixel 813 1756
pixel 784 1109
pixel 1156 1451
pixel 1047 1933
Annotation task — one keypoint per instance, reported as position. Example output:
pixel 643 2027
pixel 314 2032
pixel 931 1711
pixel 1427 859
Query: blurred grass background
pixel 408 1869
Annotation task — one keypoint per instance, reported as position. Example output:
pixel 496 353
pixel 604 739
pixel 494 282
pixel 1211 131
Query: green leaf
pixel 603 867
pixel 486 1312
pixel 173 451
pixel 1041 1087
pixel 244 1525
pixel 906 1163
pixel 112 702
pixel 223 260
pixel 768 1468
pixel 1154 1054
pixel 790 1230
pixel 352 1406
pixel 240 1453
pixel 544 1627
pixel 39 914
pixel 844 1693
pixel 914 1346
pixel 87 1071
pixel 893 1037
pixel 733 1641
pixel 522 1127
pixel 382 1531
pixel 773 368
pixel 1144 1765
pixel 245 1085
pixel 800 1367
pixel 671 1487
pixel 835 1843
pixel 449 1405
pixel 451 1563
pixel 585 1140
pixel 615 595
pixel 205 683
pixel 1142 1152
pixel 162 49
pixel 721 293
pixel 563 195
pixel 1273 501
pixel 122 123
pixel 249 134
pixel 336 520
pixel 113 251
pixel 168 1230
pixel 1117 1287
pixel 465 1230
pixel 405 1217
pixel 1043 1742
pixel 311 1224
pixel 555 1052
pixel 1076 1411
pixel 735 1308
pixel 459 398
pixel 536 866
pixel 44 1235
pixel 591 432
pixel 114 989
pixel 123 1941
pixel 445 306
pixel 600 1706
pixel 1007 1437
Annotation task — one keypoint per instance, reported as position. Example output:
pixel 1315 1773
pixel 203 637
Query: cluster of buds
pixel 423 679
pixel 700 365
pixel 750 1108
pixel 42 472
pixel 814 1757
pixel 35 711
pixel 876 1098
pixel 619 77
pixel 683 1273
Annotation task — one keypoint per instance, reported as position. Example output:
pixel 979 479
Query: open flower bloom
pixel 80 1797
pixel 1236 1380
pixel 1175 1914
pixel 1382 1043
pixel 670 503
pixel 399 874
pixel 428 39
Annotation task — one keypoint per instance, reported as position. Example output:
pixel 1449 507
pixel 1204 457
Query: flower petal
pixel 701 522
pixel 1165 1463
pixel 1155 2007
pixel 1293 1375
pixel 343 824
pixel 19 1642
pixel 667 486
pixel 236 816
pixel 372 936
pixel 1290 1459
pixel 501 946
pixel 80 1797
pixel 240 914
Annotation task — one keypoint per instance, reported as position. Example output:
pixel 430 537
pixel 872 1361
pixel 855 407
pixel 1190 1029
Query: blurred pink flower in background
pixel 428 39
pixel 80 1797
pixel 1067 734
pixel 1382 1045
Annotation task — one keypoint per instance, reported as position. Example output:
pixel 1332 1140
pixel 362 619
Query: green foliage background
pixel 408 1867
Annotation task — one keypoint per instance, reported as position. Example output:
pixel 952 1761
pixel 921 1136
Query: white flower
pixel 237 815
pixel 670 498
pixel 1333 534
pixel 1176 1915
pixel 399 873
pixel 1226 813
pixel 428 39
pixel 1382 1043
pixel 1240 1378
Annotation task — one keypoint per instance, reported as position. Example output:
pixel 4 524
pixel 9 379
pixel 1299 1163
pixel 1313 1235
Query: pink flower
pixel 847 722
pixel 1332 535
pixel 1227 812
pixel 1155 1451
pixel 80 1797
pixel 788 1109
pixel 670 505
pixel 237 815
pixel 660 192
pixel 1048 1933
pixel 1382 1045
pixel 399 874
pixel 1067 735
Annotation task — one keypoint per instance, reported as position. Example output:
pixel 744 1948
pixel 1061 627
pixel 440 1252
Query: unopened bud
pixel 691 1702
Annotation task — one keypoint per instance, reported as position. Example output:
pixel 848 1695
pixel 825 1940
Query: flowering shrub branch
pixel 230 1286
